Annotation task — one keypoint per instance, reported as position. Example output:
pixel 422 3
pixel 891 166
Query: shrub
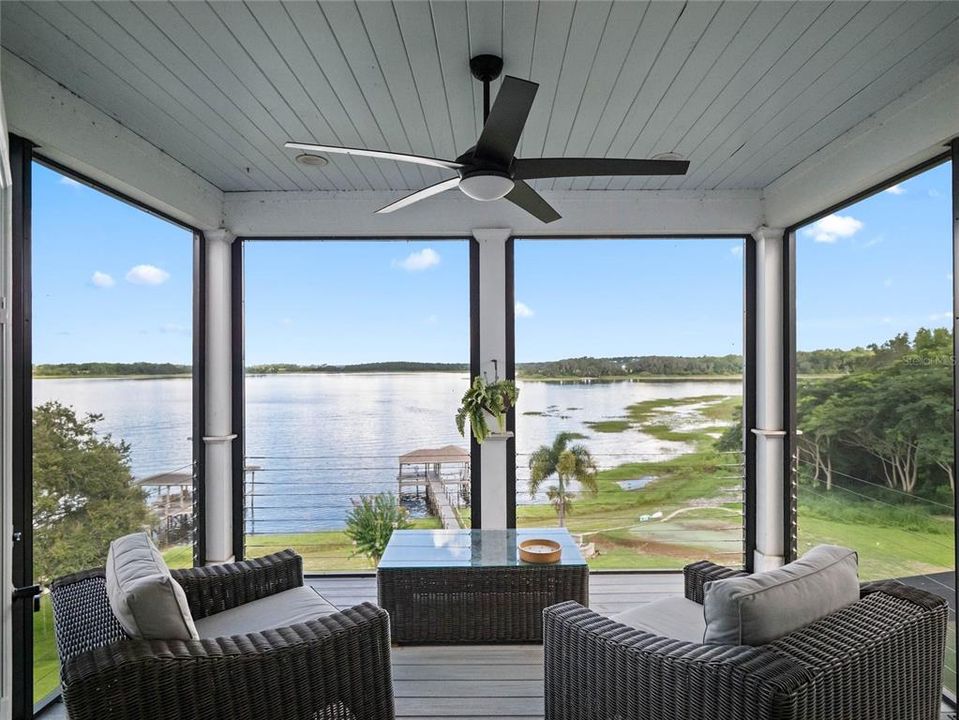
pixel 371 522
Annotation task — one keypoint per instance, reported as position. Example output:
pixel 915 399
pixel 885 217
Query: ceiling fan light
pixel 486 186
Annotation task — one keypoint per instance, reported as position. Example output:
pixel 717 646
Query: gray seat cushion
pixel 676 618
pixel 286 608
pixel 144 597
pixel 764 607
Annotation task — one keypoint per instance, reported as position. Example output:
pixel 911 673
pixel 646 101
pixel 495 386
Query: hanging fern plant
pixel 481 402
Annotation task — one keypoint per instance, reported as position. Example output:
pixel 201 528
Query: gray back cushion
pixel 145 598
pixel 761 608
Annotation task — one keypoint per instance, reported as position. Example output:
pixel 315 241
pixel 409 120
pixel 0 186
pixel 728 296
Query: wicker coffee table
pixel 469 586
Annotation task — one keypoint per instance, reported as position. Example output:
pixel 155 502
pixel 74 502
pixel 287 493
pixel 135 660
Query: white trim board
pixel 70 131
pixel 585 213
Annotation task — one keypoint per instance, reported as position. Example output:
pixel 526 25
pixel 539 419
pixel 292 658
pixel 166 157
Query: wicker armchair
pixel 332 668
pixel 878 659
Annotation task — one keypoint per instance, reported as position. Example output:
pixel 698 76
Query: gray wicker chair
pixel 333 668
pixel 878 659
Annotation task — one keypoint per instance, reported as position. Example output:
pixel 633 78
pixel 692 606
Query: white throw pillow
pixel 145 598
pixel 763 607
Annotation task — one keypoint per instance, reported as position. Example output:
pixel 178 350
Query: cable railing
pixel 303 501
pixel 907 555
pixel 912 555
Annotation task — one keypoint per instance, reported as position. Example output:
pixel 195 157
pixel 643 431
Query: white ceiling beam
pixel 910 130
pixel 75 134
pixel 589 213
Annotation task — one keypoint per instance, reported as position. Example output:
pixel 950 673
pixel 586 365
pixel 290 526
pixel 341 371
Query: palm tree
pixel 568 464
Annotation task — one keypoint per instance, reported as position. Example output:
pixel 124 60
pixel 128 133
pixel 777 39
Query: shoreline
pixel 526 378
pixel 523 378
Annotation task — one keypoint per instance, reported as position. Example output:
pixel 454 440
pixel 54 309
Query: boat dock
pixel 442 476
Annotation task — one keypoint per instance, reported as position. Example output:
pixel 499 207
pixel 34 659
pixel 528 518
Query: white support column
pixel 492 346
pixel 770 430
pixel 218 433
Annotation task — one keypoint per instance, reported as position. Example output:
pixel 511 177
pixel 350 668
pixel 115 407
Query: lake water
pixel 320 440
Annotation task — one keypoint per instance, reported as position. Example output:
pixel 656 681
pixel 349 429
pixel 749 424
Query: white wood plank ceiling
pixel 744 90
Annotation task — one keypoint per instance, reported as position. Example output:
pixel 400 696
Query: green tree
pixel 83 492
pixel 889 421
pixel 568 464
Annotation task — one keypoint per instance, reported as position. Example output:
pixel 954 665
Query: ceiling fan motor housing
pixel 486 185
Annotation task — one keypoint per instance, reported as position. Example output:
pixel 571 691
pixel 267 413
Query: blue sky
pixel 883 266
pixel 112 283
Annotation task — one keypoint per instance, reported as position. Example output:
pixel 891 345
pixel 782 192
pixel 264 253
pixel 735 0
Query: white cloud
pixel 431 320
pixel 887 283
pixel 420 260
pixel 523 310
pixel 895 190
pixel 147 275
pixel 102 280
pixel 286 322
pixel 69 181
pixel 736 250
pixel 933 193
pixel 941 316
pixel 833 227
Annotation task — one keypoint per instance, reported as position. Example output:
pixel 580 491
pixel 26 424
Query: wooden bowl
pixel 539 551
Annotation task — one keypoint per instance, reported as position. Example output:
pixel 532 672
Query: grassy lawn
pixel 180 556
pixel 329 551
pixel 46 666
pixel 892 541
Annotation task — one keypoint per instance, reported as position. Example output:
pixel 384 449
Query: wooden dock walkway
pixel 440 504
pixel 435 470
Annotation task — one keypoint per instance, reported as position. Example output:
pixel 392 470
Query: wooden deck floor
pixel 477 682
pixel 487 681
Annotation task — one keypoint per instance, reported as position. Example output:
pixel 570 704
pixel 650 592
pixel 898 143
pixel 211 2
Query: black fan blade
pixel 381 154
pixel 532 168
pixel 421 195
pixel 507 118
pixel 532 202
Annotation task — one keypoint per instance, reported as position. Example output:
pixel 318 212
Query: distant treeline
pixel 377 367
pixel 104 369
pixel 815 362
pixel 644 365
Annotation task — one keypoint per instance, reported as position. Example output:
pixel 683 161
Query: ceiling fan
pixel 488 170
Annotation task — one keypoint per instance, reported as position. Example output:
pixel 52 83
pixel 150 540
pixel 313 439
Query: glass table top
pixel 471 548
